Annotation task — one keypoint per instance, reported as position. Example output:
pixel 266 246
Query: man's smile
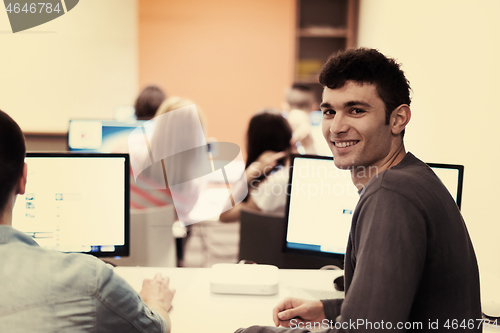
pixel 343 144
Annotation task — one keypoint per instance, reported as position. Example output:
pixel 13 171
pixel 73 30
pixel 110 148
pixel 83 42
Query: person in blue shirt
pixel 48 291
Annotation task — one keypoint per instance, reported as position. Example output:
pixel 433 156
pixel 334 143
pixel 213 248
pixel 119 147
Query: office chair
pixel 261 237
pixel 212 242
pixel 152 243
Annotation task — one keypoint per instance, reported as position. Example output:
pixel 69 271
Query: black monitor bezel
pixel 460 169
pixel 122 251
pixel 286 249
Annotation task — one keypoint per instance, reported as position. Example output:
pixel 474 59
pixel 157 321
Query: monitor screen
pixel 320 206
pixel 323 198
pixel 101 136
pixel 76 203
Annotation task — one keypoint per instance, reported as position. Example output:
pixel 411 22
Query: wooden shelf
pixel 323 28
pixel 311 79
pixel 323 32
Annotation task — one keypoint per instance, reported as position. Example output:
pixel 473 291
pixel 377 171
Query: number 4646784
pixel 33 8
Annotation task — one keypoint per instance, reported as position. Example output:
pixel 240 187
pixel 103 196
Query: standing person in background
pixel 179 125
pixel 176 130
pixel 267 165
pixel 168 137
pixel 148 101
pixel 300 102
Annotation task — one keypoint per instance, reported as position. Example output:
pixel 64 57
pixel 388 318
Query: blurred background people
pixel 148 102
pixel 177 127
pixel 268 147
pixel 300 101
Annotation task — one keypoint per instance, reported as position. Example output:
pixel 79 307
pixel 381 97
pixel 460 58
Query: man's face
pixel 354 126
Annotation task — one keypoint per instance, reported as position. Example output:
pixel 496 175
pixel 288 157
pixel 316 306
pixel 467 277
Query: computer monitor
pixel 323 198
pixel 101 136
pixel 452 176
pixel 76 203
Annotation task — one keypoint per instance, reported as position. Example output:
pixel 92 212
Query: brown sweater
pixel 409 263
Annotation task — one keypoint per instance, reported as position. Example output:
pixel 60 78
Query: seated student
pixel 148 101
pixel 268 147
pixel 48 291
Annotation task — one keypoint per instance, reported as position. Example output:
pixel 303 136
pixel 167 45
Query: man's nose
pixel 339 124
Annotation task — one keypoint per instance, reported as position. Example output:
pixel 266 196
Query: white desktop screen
pixel 102 136
pixel 76 202
pixel 323 198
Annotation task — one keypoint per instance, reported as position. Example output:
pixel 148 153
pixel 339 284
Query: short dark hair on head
pixel 148 102
pixel 268 130
pixel 364 65
pixel 12 153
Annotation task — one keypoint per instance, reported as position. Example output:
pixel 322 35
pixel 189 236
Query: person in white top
pixel 268 148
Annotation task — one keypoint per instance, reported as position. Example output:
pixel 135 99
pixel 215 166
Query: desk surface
pixel 196 309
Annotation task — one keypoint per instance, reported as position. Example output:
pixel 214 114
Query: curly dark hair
pixel 365 65
pixel 12 153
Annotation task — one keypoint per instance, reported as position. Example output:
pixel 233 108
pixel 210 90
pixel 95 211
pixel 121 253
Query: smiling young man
pixel 410 264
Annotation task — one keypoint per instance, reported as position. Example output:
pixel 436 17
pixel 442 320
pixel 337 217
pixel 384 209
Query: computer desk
pixel 196 309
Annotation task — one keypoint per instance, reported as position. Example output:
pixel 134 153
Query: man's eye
pixel 357 111
pixel 328 112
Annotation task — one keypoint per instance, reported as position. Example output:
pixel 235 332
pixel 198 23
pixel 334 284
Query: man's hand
pixel 302 310
pixel 157 295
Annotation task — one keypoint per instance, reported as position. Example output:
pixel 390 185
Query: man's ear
pixel 21 185
pixel 400 118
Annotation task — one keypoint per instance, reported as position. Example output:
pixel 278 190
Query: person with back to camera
pixel 49 291
pixel 148 102
pixel 172 130
pixel 268 147
pixel 179 125
pixel 409 264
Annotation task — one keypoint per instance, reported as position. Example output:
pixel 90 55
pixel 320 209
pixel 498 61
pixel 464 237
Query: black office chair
pixel 261 237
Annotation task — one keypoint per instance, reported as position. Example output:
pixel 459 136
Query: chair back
pixel 152 243
pixel 261 237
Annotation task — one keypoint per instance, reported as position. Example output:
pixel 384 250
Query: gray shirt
pixel 410 264
pixel 47 291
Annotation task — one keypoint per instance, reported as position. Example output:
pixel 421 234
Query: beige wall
pixel 231 57
pixel 449 51
pixel 82 64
